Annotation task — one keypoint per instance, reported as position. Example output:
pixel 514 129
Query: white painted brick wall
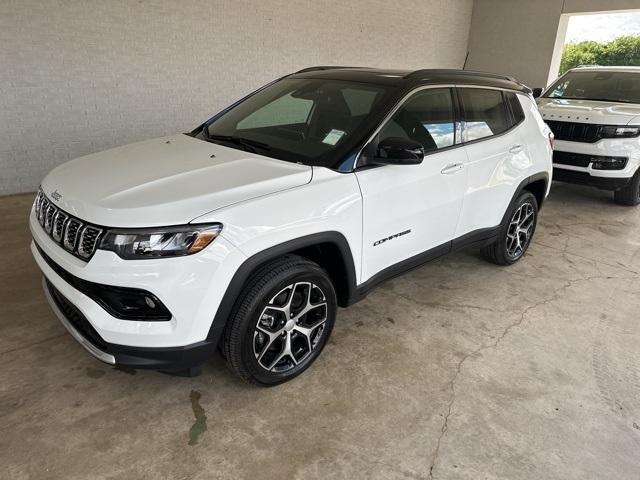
pixel 81 76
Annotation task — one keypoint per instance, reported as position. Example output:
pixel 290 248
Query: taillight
pixel 552 139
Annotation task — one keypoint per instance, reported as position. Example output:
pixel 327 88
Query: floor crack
pixel 452 384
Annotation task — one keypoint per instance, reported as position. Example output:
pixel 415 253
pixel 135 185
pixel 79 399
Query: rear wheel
pixel 629 195
pixel 281 322
pixel 515 233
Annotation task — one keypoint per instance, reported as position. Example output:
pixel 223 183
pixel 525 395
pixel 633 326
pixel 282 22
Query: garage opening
pixel 600 38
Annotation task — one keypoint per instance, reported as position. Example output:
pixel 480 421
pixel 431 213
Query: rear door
pixel 412 209
pixel 497 156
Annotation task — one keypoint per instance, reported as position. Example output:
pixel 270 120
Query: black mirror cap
pixel 398 151
pixel 536 92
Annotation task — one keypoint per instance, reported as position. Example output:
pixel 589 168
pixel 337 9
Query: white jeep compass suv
pixel 594 113
pixel 247 233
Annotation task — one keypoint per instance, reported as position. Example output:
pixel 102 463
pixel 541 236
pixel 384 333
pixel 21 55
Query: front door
pixel 409 210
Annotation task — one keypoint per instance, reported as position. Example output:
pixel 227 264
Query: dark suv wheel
pixel 630 194
pixel 281 322
pixel 515 233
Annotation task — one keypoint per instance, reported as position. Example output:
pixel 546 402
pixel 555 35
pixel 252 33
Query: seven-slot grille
pixel 75 236
pixel 575 132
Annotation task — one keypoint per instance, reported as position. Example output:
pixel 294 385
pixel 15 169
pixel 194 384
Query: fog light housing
pixel 608 163
pixel 129 303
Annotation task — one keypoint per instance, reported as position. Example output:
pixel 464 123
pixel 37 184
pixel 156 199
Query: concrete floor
pixel 457 370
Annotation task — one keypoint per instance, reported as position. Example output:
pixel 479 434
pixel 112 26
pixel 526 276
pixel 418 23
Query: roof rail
pixel 431 71
pixel 323 67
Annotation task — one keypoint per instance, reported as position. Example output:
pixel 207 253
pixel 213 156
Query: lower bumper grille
pixel 76 318
pixel 120 302
pixel 598 162
pixel 573 159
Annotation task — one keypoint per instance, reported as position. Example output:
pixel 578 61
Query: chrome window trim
pixel 459 129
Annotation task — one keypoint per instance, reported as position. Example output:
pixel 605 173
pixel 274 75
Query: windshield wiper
pixel 246 143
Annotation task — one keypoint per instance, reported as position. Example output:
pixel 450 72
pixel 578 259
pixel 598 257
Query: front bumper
pixel 584 178
pixel 176 358
pixel 628 148
pixel 190 287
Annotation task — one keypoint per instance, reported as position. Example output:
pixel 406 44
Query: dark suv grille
pixel 575 132
pixel 75 236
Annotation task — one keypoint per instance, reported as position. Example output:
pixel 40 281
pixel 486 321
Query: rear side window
pixel 427 117
pixel 517 114
pixel 484 113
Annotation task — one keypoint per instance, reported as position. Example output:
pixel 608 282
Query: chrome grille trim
pixel 43 208
pixel 72 234
pixel 37 203
pixel 48 217
pixel 88 239
pixel 59 221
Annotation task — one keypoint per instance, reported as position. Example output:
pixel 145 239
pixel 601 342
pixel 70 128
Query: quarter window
pixel 517 114
pixel 484 113
pixel 427 117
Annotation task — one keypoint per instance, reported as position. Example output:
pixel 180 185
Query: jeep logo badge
pixel 56 196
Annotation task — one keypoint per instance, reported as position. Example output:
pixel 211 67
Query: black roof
pixel 412 77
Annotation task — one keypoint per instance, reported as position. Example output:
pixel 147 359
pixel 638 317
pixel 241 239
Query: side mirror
pixel 536 92
pixel 398 151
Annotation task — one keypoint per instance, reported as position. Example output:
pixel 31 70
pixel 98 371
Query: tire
pixel 258 332
pixel 629 195
pixel 504 251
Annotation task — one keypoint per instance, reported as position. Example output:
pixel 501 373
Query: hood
pixel 587 111
pixel 166 181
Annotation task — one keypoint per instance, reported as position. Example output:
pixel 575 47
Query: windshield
pixel 623 87
pixel 309 121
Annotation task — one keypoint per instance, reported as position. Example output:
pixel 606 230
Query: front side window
pixel 309 121
pixel 623 87
pixel 427 117
pixel 484 113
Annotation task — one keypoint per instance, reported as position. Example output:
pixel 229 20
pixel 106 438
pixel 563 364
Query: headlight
pixel 160 242
pixel 619 132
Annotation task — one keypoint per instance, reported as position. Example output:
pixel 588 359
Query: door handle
pixel 452 168
pixel 516 149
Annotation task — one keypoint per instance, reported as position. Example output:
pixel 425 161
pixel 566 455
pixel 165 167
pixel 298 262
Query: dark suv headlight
pixel 157 242
pixel 619 132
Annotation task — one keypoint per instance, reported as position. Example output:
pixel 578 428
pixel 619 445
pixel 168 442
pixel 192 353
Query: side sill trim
pixel 398 269
pixel 477 238
pixel 99 354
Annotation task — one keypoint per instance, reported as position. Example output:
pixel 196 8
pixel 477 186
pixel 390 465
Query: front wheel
pixel 281 322
pixel 515 232
pixel 630 194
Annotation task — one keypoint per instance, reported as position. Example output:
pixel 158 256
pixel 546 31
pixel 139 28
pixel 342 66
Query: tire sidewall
pixel 310 273
pixel 525 197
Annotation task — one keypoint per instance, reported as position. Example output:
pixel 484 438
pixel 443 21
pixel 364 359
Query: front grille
pixel 575 132
pixel 573 159
pixel 71 233
pixel 76 318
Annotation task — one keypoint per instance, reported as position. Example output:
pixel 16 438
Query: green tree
pixel 622 51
